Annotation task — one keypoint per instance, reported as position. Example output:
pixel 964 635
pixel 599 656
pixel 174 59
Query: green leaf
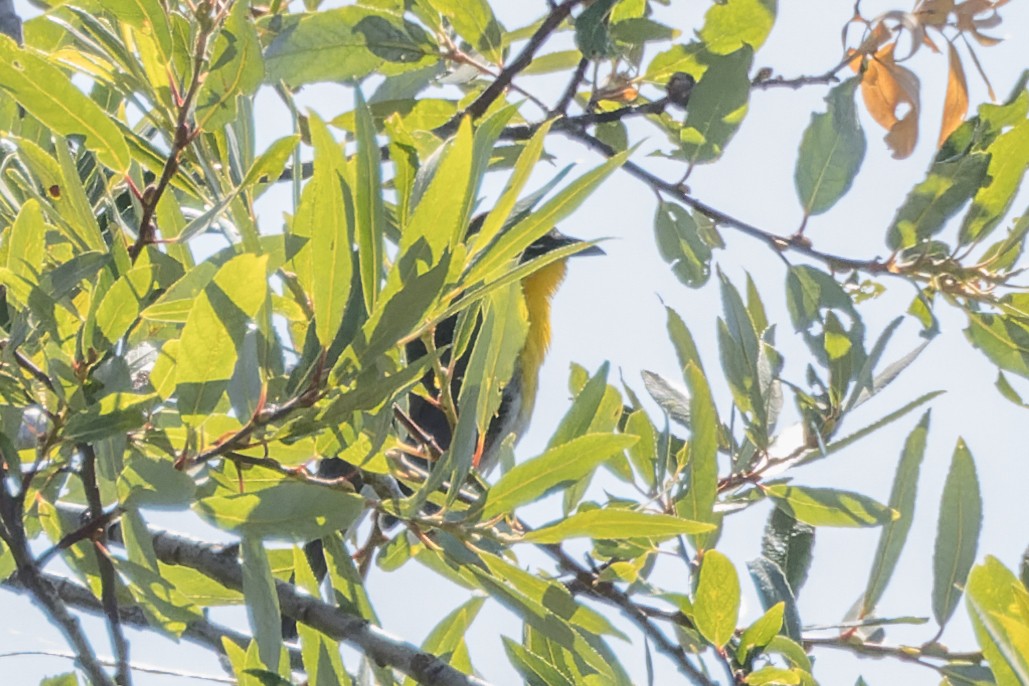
pixel 331 217
pixel 474 21
pixel 24 243
pixel 764 629
pixel 950 184
pixel 777 676
pixel 580 415
pixel 702 454
pixel 322 660
pixel 1004 339
pixel 716 607
pixel 371 214
pixel 718 104
pixel 344 44
pixel 115 414
pixel 1009 160
pixel 829 507
pixel 214 332
pixel 447 640
pixel 591 32
pixel 146 15
pixel 831 151
pixel 789 544
pixel 61 106
pixel 957 535
pixel 682 339
pixel 523 169
pixel 681 246
pixel 902 500
pixel 730 25
pixel 262 600
pixel 290 510
pixel 119 308
pixel 154 482
pixel 556 468
pixel 999 607
pixel 537 223
pixel 440 217
pixel 236 71
pixel 534 668
pixel 672 401
pixel 611 524
pixel 772 589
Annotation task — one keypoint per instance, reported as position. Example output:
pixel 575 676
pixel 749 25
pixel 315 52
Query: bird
pixel 518 394
pixel 425 418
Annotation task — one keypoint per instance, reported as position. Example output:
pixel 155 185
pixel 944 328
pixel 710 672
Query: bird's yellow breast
pixel 538 290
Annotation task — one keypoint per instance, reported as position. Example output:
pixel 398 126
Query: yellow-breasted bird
pixel 518 396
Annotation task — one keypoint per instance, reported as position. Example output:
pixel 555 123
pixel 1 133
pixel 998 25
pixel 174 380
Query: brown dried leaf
pixel 885 87
pixel 955 104
pixel 966 13
pixel 934 12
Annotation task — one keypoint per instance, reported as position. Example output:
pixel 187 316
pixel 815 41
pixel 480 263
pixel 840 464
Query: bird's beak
pixel 560 240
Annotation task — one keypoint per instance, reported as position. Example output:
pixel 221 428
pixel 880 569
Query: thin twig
pixel 29 366
pixel 108 576
pixel 39 588
pixel 570 90
pixel 183 135
pixel 482 103
pixel 610 594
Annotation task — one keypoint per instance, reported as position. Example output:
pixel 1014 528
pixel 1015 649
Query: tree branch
pixel 202 632
pixel 108 576
pixel 221 564
pixel 557 15
pixel 587 582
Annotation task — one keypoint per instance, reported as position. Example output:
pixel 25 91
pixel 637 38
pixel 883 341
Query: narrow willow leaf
pixel 763 630
pixel 902 499
pixel 237 69
pixel 591 30
pixel 214 331
pixel 24 243
pixel 728 26
pixel 557 468
pixel 371 214
pixel 116 413
pixel 331 230
pixel 681 245
pixel 999 607
pixel 474 21
pixel 440 217
pixel 789 544
pixel 501 211
pixel 718 105
pixel 321 655
pixel 1009 160
pixel 829 507
pixel 542 220
pixel 291 510
pixel 580 415
pixel 831 151
pixel 534 668
pixel 716 607
pixel 702 458
pixel 262 601
pixel 346 43
pixel 1004 339
pixel 61 106
pixel 957 535
pixel 674 402
pixel 772 589
pixel 611 524
pixel 447 639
